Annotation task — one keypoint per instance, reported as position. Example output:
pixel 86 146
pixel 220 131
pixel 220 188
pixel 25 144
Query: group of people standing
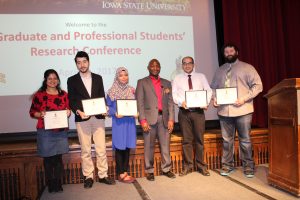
pixel 156 98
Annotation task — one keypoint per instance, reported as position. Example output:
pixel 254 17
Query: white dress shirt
pixel 180 85
pixel 87 81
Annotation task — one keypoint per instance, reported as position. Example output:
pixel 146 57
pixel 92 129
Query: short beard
pixel 86 70
pixel 231 59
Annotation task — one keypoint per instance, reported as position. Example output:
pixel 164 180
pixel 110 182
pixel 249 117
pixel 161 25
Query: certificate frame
pixel 127 107
pixel 196 98
pixel 226 96
pixel 94 106
pixel 56 119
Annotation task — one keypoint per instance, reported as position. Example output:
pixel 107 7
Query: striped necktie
pixel 228 77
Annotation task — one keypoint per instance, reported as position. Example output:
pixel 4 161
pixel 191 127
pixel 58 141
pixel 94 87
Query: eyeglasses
pixel 186 64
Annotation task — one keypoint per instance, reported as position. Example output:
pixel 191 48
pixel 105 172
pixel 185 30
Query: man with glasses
pixel 191 120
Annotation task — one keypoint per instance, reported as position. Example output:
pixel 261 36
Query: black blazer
pixel 78 92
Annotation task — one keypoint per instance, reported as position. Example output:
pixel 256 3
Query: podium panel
pixel 284 130
pixel 298 106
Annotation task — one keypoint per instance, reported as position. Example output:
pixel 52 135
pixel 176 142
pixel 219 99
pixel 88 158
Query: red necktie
pixel 190 82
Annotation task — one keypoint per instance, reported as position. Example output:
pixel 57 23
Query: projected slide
pixel 110 40
pixel 36 35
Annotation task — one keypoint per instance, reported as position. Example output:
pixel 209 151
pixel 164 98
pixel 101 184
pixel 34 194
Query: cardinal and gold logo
pixel 2 78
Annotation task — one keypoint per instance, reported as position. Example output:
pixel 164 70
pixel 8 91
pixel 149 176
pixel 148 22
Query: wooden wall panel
pixel 22 173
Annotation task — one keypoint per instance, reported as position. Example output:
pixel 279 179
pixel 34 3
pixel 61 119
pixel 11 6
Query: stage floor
pixel 190 187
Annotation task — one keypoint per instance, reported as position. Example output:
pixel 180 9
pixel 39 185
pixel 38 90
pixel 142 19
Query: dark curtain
pixel 267 33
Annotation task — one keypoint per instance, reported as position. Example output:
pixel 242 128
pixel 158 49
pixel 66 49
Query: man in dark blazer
pixel 81 86
pixel 156 115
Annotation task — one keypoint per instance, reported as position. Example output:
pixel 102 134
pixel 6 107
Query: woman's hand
pixel 40 114
pixel 68 112
pixel 118 116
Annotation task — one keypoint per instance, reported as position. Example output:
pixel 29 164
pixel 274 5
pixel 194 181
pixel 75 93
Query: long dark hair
pixel 44 84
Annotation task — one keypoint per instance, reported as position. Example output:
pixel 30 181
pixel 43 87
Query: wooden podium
pixel 284 135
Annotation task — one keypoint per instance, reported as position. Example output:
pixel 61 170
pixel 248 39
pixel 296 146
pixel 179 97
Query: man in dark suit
pixel 156 115
pixel 81 86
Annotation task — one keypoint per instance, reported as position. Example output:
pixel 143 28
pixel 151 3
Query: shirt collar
pixel 153 78
pixel 192 73
pixel 86 75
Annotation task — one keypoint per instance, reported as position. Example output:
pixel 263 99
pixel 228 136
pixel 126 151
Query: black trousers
pixel 192 126
pixel 53 168
pixel 122 160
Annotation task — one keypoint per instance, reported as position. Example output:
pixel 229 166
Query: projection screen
pixel 36 35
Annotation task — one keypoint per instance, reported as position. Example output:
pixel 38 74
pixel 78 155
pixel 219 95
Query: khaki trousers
pixel 87 130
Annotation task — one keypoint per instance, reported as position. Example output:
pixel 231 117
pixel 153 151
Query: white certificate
pixel 226 95
pixel 196 98
pixel 127 107
pixel 56 119
pixel 95 106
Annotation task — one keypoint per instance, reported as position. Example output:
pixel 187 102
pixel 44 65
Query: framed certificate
pixel 226 95
pixel 127 107
pixel 56 119
pixel 196 98
pixel 94 106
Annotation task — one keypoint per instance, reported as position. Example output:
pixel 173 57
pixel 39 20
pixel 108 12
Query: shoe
pixel 126 179
pixel 185 172
pixel 225 171
pixel 107 180
pixel 249 173
pixel 150 177
pixel 169 174
pixel 58 186
pixel 204 172
pixel 50 186
pixel 88 183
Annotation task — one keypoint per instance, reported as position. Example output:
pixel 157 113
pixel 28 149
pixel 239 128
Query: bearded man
pixel 238 115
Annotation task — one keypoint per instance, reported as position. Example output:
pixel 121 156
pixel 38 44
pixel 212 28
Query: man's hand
pixel 170 126
pixel 239 102
pixel 82 114
pixel 215 102
pixel 106 114
pixel 183 104
pixel 145 126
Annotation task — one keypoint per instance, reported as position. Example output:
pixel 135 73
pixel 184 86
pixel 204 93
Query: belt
pixel 191 109
pixel 160 112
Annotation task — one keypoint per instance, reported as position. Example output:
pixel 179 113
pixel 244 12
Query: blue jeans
pixel 229 125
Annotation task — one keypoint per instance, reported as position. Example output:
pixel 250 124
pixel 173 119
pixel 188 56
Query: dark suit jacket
pixel 78 92
pixel 147 101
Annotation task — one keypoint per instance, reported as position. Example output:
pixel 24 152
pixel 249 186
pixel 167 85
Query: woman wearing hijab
pixel 123 127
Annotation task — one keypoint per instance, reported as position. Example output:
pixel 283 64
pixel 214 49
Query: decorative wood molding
pixel 22 173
